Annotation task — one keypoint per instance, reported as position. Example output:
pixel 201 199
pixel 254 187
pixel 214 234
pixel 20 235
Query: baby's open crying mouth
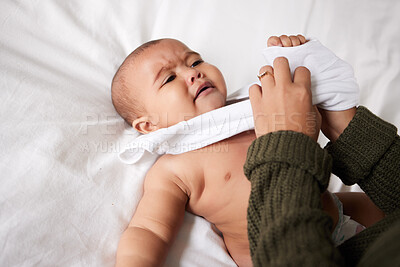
pixel 208 86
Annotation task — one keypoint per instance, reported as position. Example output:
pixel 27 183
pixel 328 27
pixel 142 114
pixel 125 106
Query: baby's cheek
pixel 179 111
pixel 219 83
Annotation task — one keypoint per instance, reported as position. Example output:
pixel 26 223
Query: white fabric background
pixel 65 198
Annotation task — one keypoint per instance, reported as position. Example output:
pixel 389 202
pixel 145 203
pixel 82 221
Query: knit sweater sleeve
pixel 368 153
pixel 286 225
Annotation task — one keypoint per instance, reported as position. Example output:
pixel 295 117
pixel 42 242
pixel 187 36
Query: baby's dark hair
pixel 124 99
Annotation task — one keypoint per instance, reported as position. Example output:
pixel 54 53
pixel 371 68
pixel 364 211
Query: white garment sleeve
pixel 333 84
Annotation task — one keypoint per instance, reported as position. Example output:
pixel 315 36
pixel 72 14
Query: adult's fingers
pixel 266 76
pixel 255 96
pixel 302 76
pixel 302 39
pixel 295 40
pixel 282 71
pixel 255 92
pixel 274 41
pixel 285 41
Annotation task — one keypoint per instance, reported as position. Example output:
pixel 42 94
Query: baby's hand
pixel 286 41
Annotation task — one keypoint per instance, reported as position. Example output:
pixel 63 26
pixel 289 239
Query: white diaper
pixel 346 227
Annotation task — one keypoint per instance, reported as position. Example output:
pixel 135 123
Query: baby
pixel 174 84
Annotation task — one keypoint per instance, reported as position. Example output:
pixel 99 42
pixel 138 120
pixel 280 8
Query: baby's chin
pixel 210 104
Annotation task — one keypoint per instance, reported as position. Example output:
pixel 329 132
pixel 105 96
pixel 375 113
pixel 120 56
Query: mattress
pixel 65 198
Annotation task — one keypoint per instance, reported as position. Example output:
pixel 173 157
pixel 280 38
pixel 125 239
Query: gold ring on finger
pixel 263 74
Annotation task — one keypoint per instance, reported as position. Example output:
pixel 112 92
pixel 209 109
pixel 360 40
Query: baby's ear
pixel 144 125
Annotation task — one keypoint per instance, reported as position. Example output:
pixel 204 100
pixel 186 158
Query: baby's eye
pixel 170 79
pixel 197 62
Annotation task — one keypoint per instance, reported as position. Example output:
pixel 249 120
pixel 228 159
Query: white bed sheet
pixel 65 198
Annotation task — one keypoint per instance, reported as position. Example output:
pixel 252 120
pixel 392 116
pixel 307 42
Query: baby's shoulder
pixel 163 164
pixel 167 163
pixel 167 169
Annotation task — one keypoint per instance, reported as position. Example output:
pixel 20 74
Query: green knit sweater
pixel 288 171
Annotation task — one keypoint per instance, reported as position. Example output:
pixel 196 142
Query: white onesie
pixel 333 88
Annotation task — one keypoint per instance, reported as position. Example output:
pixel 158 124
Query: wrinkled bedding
pixel 65 198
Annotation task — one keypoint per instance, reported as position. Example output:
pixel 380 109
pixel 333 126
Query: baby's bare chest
pixel 216 181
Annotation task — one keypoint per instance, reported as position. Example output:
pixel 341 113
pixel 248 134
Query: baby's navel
pixel 228 176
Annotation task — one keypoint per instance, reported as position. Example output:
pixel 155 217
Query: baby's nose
pixel 193 75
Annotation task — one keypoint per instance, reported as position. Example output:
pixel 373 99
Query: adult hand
pixel 282 103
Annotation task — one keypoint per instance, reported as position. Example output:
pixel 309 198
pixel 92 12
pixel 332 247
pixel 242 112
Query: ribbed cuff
pixel 293 148
pixel 360 146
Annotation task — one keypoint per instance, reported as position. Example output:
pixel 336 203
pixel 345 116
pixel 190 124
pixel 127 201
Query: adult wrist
pixel 361 145
pixel 293 148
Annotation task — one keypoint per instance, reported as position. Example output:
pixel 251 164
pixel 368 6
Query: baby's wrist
pixel 334 122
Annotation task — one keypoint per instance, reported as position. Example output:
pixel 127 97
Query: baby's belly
pixel 228 211
pixel 224 201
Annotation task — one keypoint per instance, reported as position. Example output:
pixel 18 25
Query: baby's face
pixel 175 84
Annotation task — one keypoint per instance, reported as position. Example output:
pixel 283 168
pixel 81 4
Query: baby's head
pixel 163 82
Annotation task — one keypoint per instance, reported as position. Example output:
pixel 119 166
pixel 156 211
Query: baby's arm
pixel 156 221
pixel 334 122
